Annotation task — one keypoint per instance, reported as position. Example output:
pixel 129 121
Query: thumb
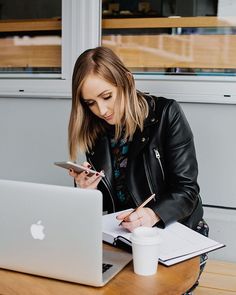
pixel 122 215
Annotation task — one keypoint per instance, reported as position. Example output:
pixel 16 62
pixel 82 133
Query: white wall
pixel 213 126
pixel 226 7
pixel 222 225
pixel 33 135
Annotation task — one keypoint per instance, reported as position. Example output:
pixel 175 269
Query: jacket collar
pixel 141 138
pixel 152 117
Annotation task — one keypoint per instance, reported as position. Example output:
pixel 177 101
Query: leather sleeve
pixel 180 199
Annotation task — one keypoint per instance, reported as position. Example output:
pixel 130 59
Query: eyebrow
pixel 107 90
pixel 99 95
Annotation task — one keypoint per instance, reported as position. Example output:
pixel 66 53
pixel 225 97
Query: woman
pixel 142 143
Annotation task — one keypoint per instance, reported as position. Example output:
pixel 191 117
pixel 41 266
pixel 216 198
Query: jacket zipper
pixel 148 175
pixel 158 156
pixel 107 187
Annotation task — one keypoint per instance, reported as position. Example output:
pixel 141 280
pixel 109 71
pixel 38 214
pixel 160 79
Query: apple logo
pixel 36 230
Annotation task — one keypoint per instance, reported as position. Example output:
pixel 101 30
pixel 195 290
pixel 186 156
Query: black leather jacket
pixel 161 160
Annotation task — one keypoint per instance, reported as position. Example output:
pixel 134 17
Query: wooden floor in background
pixel 218 278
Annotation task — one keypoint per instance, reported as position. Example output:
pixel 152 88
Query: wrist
pixel 154 217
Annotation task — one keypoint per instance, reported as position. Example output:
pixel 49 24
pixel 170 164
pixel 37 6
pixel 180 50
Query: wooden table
pixel 168 280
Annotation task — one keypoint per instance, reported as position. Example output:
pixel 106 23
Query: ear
pixel 130 78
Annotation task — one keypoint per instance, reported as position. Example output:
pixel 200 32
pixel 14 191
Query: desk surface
pixel 168 280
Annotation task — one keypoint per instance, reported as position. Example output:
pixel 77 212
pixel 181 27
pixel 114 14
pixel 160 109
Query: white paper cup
pixel 145 249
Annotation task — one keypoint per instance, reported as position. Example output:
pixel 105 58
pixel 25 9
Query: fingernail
pixel 89 166
pixel 97 174
pixel 86 172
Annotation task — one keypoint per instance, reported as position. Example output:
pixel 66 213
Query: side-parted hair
pixel 84 127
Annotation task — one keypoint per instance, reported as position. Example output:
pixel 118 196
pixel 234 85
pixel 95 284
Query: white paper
pixel 178 242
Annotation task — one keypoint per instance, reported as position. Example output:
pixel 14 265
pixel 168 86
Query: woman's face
pixel 100 96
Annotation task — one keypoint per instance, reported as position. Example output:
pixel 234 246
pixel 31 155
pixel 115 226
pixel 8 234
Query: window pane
pixel 30 36
pixel 187 37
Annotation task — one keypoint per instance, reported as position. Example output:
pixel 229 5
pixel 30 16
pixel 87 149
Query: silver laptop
pixel 55 231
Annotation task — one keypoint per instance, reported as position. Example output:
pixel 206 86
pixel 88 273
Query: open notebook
pixel 178 242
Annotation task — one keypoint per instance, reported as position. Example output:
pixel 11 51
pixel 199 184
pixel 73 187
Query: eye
pixel 89 103
pixel 108 96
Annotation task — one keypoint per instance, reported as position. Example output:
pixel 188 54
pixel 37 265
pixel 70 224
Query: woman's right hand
pixel 82 179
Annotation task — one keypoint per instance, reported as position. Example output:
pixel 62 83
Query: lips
pixel 108 118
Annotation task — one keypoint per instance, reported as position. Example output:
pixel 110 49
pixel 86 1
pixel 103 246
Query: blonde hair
pixel 84 127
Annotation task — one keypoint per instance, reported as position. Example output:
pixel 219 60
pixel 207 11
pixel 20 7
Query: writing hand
pixel 141 217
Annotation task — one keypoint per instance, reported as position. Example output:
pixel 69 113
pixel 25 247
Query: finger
pixel 89 181
pixel 130 226
pixel 80 178
pixel 123 215
pixel 72 173
pixel 95 183
pixel 86 164
pixel 133 217
pixel 93 177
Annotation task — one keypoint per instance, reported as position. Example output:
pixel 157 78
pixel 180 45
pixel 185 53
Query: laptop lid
pixel 53 231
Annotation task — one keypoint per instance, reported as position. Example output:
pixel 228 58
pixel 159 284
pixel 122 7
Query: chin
pixel 111 122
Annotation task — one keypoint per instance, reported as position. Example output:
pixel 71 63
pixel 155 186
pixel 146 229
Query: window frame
pixel 81 17
pixel 220 90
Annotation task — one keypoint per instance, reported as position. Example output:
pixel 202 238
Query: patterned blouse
pixel 119 149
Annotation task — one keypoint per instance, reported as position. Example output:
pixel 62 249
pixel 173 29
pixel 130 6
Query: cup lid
pixel 145 235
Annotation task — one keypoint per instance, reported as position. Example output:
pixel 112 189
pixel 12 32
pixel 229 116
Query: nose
pixel 102 107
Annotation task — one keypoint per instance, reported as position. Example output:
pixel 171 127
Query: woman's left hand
pixel 141 217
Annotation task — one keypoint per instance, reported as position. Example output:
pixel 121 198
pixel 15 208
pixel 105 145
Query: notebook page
pixel 178 242
pixel 111 228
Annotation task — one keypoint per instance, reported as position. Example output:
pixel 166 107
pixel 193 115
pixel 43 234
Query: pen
pixel 140 206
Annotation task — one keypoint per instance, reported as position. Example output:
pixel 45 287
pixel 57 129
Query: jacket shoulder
pixel 161 105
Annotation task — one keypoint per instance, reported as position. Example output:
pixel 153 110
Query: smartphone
pixel 77 168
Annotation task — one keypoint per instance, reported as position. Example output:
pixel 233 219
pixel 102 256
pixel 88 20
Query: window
pixel 39 43
pixel 167 37
pixel 178 48
pixel 30 37
pixel 177 41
